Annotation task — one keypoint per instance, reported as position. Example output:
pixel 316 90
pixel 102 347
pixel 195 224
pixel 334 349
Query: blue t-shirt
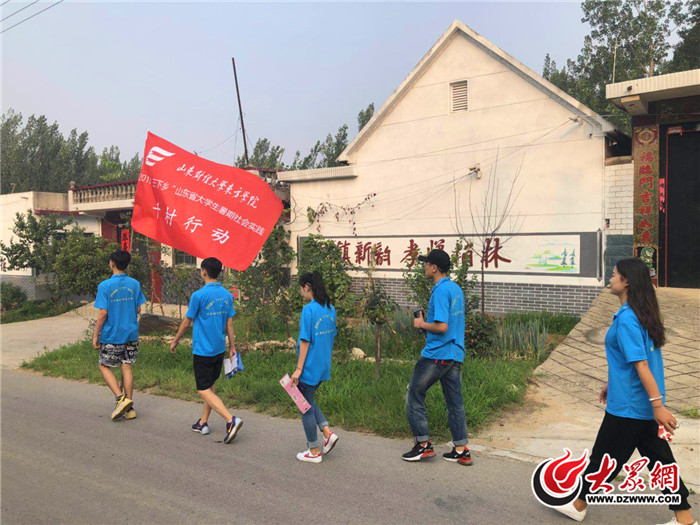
pixel 121 296
pixel 446 306
pixel 211 307
pixel 626 343
pixel 317 326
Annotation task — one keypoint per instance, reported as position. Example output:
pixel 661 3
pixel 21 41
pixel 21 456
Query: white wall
pixel 619 197
pixel 417 160
pixel 13 203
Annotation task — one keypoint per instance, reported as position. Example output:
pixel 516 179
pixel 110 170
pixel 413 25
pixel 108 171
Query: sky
pixel 118 69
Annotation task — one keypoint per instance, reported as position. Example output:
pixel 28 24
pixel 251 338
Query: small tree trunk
pixel 152 286
pixel 179 306
pixel 377 351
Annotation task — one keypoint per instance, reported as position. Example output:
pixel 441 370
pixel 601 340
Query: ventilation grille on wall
pixel 459 96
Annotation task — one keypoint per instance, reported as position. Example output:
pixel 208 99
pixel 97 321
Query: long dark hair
pixel 642 297
pixel 315 279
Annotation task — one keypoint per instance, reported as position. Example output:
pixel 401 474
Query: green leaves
pixel 631 37
pixel 37 157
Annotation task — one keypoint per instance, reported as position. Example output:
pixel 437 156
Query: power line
pixel 20 9
pixel 441 189
pixel 516 148
pixel 29 17
pixel 219 144
pixel 5 2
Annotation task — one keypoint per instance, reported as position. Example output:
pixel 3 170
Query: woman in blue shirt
pixel 314 349
pixel 635 389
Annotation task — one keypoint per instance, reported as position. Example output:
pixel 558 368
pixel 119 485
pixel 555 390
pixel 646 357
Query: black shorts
pixel 207 369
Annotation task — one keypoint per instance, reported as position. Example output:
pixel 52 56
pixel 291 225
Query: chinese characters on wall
pixel 646 192
pixel 527 253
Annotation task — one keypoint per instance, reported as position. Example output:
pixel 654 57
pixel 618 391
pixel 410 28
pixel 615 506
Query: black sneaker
pixel 232 429
pixel 463 458
pixel 419 452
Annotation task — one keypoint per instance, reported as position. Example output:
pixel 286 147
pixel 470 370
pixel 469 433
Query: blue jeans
pixel 425 374
pixel 314 417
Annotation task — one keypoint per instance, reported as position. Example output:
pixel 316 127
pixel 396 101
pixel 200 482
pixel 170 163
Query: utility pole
pixel 240 110
pixel 614 60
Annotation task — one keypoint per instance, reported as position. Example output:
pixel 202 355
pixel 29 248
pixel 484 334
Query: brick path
pixel 578 366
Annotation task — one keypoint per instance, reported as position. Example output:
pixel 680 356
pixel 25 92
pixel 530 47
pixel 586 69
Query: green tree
pixel 265 155
pixel 364 116
pixel 35 156
pixel 36 242
pixel 82 263
pixel 376 307
pixel 631 37
pixel 685 54
pixel 323 154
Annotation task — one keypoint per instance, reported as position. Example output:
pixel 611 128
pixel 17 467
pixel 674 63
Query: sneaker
pixel 329 443
pixel 570 511
pixel 201 428
pixel 131 413
pixel 309 457
pixel 122 406
pixel 419 452
pixel 674 521
pixel 232 429
pixel 463 458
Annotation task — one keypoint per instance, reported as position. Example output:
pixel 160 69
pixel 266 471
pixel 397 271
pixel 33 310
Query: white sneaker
pixel 330 443
pixel 309 457
pixel 674 521
pixel 570 511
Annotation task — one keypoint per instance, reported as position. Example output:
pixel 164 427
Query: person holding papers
pixel 314 349
pixel 211 310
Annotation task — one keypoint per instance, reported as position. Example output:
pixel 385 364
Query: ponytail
pixel 315 280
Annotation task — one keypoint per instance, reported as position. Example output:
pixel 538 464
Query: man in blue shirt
pixel 441 360
pixel 119 301
pixel 211 310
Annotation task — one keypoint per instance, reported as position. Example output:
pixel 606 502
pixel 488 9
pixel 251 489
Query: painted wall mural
pixel 550 254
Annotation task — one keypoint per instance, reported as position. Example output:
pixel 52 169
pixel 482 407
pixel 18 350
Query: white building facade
pixel 437 161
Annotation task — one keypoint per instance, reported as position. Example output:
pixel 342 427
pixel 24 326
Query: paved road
pixel 23 341
pixel 63 461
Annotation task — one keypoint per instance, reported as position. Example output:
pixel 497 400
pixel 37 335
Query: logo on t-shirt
pixel 113 299
pixel 318 324
pixel 215 307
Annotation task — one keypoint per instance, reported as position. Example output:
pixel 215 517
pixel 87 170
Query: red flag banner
pixel 201 207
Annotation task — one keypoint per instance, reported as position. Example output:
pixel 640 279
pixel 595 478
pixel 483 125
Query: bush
pixel 11 296
pixel 560 324
pixel 479 333
pixel 265 284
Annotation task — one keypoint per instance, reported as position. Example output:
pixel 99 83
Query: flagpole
pixel 240 110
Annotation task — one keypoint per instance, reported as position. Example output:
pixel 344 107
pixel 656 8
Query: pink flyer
pixel 295 394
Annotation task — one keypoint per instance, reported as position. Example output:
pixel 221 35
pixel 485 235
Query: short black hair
pixel 212 266
pixel 121 259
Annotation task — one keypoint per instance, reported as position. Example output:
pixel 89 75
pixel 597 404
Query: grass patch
pixel 691 413
pixel 352 399
pixel 36 310
pixel 560 324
